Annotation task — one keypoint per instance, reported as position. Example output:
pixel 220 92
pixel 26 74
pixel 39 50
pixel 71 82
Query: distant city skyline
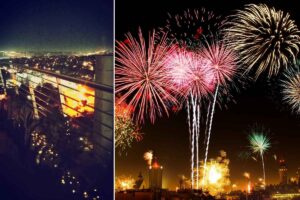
pixel 56 50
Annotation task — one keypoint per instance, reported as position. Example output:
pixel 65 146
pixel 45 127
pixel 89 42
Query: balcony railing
pixel 68 103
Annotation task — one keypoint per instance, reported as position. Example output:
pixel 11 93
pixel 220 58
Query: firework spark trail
pixel 263 166
pixel 223 68
pixel 190 73
pixel 193 107
pixel 191 142
pixel 194 132
pixel 197 142
pixel 197 76
pixel 265 38
pixel 259 143
pixel 209 129
pixel 206 123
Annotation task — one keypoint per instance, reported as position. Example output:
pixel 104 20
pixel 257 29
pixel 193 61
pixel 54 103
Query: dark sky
pixel 56 24
pixel 257 104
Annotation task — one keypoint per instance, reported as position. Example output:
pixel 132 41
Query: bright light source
pixel 214 175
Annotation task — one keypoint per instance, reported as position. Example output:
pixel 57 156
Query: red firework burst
pixel 190 27
pixel 141 76
pixel 190 73
pixel 222 61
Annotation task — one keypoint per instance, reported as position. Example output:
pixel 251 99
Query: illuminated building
pixel 298 176
pixel 283 179
pixel 155 175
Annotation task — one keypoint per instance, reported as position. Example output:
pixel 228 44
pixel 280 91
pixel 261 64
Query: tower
pixel 139 181
pixel 155 175
pixel 183 182
pixel 283 179
pixel 298 175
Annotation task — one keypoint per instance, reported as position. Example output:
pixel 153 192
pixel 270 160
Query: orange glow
pixel 2 96
pixel 122 110
pixel 215 176
pixel 124 183
pixel 78 100
pixel 155 165
pixel 249 187
pixel 14 82
pixel 247 175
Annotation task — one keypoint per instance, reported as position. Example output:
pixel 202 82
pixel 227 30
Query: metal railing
pixel 37 84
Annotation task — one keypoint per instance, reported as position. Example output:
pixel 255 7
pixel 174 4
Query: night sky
pixel 258 104
pixel 56 25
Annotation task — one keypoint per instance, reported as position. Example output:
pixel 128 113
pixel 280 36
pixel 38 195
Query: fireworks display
pixel 266 39
pixel 291 88
pixel 223 66
pixel 215 175
pixel 141 76
pixel 191 63
pixel 190 73
pixel 126 131
pixel 222 61
pixel 259 144
pixel 191 27
pixel 197 75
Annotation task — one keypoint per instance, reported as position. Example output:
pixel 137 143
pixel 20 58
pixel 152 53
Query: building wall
pixel 155 178
pixel 283 179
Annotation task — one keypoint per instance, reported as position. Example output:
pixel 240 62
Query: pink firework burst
pixel 190 73
pixel 141 76
pixel 222 61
